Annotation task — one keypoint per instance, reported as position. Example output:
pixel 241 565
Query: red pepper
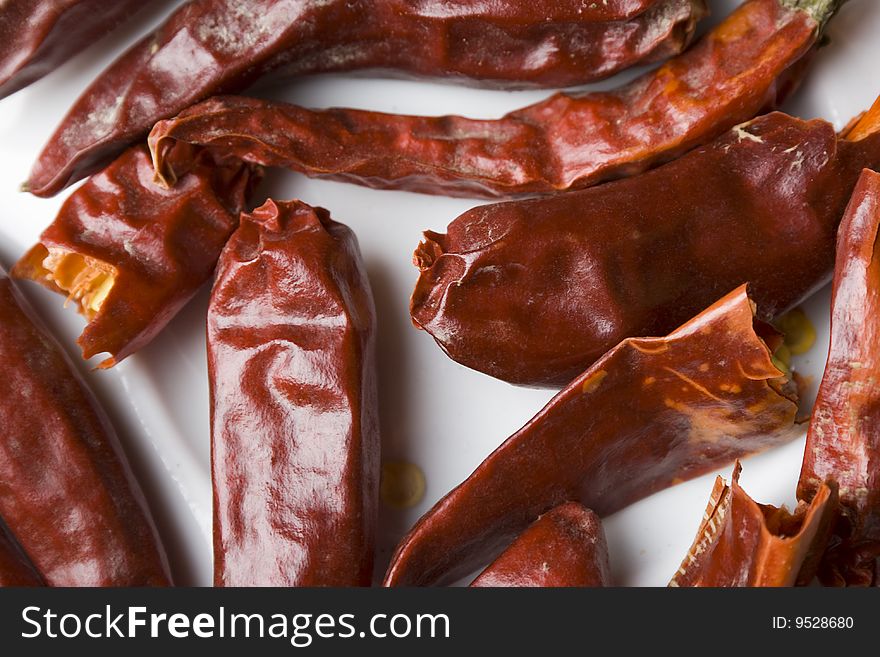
pixel 222 46
pixel 294 408
pixel 38 36
pixel 534 291
pixel 564 547
pixel 742 543
pixel 650 413
pixel 747 64
pixel 67 493
pixel 15 568
pixel 131 253
pixel 843 443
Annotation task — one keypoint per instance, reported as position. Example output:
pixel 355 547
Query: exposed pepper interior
pixel 86 281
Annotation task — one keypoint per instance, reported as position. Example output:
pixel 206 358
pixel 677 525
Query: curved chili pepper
pixel 67 493
pixel 742 543
pixel 843 442
pixel 564 547
pixel 15 568
pixel 37 36
pixel 650 413
pixel 130 253
pixel 533 291
pixel 569 141
pixel 222 46
pixel 294 407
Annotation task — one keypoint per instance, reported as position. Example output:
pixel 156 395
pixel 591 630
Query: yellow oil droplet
pixel 402 485
pixel 799 332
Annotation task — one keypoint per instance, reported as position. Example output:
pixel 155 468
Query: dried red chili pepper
pixel 533 291
pixel 843 442
pixel 564 547
pixel 37 36
pixel 569 141
pixel 294 410
pixel 222 46
pixel 15 568
pixel 130 253
pixel 648 414
pixel 743 543
pixel 67 494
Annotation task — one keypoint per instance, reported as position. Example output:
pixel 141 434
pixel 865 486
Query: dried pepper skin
pixel 747 64
pixel 15 568
pixel 533 291
pixel 843 442
pixel 209 47
pixel 564 547
pixel 131 253
pixel 67 493
pixel 294 403
pixel 742 543
pixel 38 36
pixel 706 394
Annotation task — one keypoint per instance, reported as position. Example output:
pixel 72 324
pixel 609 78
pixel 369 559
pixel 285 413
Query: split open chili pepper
pixel 222 46
pixel 743 543
pixel 533 291
pixel 67 493
pixel 650 413
pixel 130 253
pixel 564 547
pixel 15 568
pixel 745 65
pixel 38 36
pixel 294 403
pixel 843 442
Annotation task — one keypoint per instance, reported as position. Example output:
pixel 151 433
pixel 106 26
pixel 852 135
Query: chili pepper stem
pixel 820 10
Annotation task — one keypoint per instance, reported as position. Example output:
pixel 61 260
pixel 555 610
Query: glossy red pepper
pixel 533 291
pixel 843 443
pixel 38 36
pixel 15 568
pixel 747 64
pixel 743 543
pixel 67 494
pixel 294 408
pixel 130 253
pixel 648 414
pixel 222 46
pixel 564 547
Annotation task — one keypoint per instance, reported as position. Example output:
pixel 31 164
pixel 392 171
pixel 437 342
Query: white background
pixel 435 413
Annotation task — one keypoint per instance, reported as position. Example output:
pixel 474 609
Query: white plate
pixel 435 412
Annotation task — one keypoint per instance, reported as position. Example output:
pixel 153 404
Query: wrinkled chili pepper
pixel 222 46
pixel 533 291
pixel 130 253
pixel 564 547
pixel 648 414
pixel 743 543
pixel 569 141
pixel 67 493
pixel 15 568
pixel 38 36
pixel 294 409
pixel 843 442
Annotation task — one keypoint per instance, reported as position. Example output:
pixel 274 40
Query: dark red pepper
pixel 15 568
pixel 747 64
pixel 38 36
pixel 650 413
pixel 564 547
pixel 222 46
pixel 67 494
pixel 294 409
pixel 843 442
pixel 533 291
pixel 130 253
pixel 743 543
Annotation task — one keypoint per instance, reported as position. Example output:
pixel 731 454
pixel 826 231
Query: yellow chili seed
pixel 799 332
pixel 402 485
